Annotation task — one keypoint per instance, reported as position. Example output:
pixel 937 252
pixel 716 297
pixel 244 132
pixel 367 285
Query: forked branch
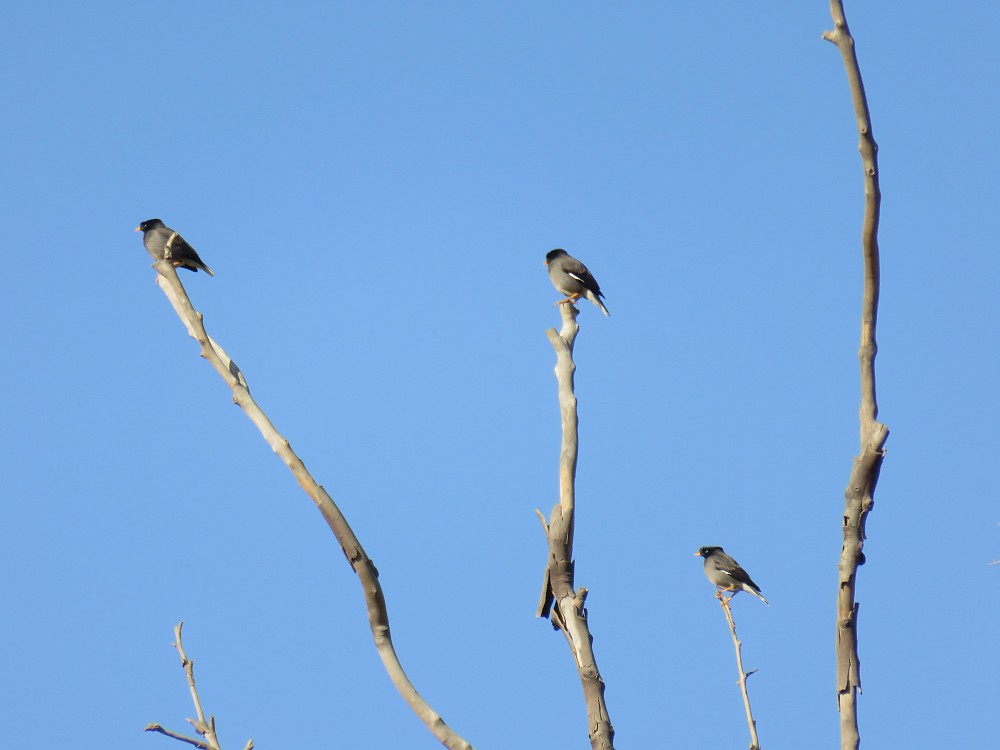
pixel 204 727
pixel 378 616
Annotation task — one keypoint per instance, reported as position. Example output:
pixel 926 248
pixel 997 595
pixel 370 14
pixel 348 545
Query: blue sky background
pixel 376 185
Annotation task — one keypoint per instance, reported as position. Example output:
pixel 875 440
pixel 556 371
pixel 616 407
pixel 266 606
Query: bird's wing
pixel 180 248
pixel 582 275
pixel 737 573
pixel 732 569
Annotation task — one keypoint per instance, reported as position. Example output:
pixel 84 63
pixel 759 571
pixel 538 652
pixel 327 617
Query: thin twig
pixel 188 665
pixel 859 496
pixel 204 728
pixel 378 616
pixel 167 733
pixel 559 601
pixel 738 645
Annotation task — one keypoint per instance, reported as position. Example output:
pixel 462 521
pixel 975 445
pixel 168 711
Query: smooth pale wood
pixel 738 646
pixel 859 495
pixel 559 601
pixel 378 616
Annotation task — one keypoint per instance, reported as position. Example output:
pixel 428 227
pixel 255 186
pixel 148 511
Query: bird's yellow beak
pixel 138 229
pixel 697 554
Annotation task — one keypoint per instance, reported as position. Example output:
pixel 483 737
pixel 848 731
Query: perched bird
pixel 155 237
pixel 572 278
pixel 726 573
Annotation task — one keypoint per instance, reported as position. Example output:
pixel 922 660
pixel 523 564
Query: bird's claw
pixel 571 300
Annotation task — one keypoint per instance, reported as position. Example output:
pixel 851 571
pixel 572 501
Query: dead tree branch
pixel 859 496
pixel 738 645
pixel 378 616
pixel 204 727
pixel 559 601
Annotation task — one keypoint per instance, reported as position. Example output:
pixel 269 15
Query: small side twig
pixel 738 645
pixel 559 601
pixel 205 728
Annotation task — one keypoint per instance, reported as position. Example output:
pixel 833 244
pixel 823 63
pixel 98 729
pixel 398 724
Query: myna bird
pixel 726 573
pixel 155 237
pixel 572 278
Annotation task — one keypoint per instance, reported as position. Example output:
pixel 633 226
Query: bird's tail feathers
pixel 597 301
pixel 759 595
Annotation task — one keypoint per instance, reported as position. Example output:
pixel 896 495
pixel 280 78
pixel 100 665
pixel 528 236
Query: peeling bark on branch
pixel 378 616
pixel 859 496
pixel 559 601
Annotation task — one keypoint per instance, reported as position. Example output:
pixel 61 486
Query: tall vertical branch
pixel 364 567
pixel 864 474
pixel 559 601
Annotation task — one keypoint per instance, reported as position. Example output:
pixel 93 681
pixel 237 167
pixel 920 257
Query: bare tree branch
pixel 859 496
pixel 738 645
pixel 559 601
pixel 188 665
pixel 205 728
pixel 378 616
pixel 167 733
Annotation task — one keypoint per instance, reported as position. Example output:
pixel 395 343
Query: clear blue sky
pixel 376 185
